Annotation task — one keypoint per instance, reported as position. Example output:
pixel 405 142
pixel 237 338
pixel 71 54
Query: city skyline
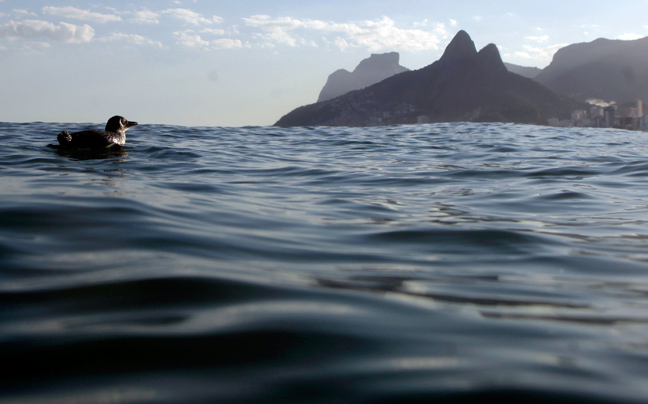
pixel 241 63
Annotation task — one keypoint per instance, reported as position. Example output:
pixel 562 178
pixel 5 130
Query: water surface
pixel 447 262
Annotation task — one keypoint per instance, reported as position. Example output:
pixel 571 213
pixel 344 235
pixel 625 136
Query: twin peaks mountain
pixel 464 85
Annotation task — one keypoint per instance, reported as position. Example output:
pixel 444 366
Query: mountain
pixel 464 85
pixel 529 72
pixel 608 70
pixel 370 71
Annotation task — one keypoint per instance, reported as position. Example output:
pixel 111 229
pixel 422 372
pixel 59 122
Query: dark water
pixel 430 263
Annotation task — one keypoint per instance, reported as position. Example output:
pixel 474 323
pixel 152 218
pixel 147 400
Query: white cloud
pixel 422 23
pixel 78 14
pixel 373 35
pixel 190 17
pixel 630 37
pixel 33 29
pixel 538 39
pixel 537 53
pixel 190 39
pixel 226 43
pixel 24 12
pixel 145 17
pixel 276 30
pixel 453 23
pixel 130 38
pixel 213 31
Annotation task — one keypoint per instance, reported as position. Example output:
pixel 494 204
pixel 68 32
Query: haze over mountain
pixel 463 85
pixel 370 71
pixel 380 66
pixel 604 69
pixel 524 71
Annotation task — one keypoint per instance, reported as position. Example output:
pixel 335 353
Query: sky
pixel 249 62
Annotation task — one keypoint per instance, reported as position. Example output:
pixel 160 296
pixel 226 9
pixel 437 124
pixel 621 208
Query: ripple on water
pixel 454 262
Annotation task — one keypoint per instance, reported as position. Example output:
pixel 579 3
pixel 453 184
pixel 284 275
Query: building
pixel 643 123
pixel 609 114
pixel 579 118
pixel 596 111
pixel 640 113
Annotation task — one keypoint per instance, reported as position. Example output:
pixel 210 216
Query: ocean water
pixel 430 263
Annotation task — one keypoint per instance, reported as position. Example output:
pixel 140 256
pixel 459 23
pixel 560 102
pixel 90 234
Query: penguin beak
pixel 131 123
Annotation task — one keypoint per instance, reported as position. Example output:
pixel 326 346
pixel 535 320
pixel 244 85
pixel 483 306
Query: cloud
pixel 33 29
pixel 190 39
pixel 629 37
pixel 226 43
pixel 24 12
pixel 145 17
pixel 373 35
pixel 600 103
pixel 78 14
pixel 537 53
pixel 276 30
pixel 190 17
pixel 538 39
pixel 130 38
pixel 422 23
pixel 453 23
pixel 213 31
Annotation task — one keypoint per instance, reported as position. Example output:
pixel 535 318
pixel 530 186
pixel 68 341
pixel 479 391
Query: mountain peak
pixel 370 71
pixel 491 59
pixel 462 86
pixel 461 47
pixel 390 59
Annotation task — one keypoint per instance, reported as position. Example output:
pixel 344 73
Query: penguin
pixel 114 134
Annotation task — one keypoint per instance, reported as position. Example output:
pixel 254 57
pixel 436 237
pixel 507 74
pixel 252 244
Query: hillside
pixel 464 85
pixel 608 70
pixel 524 71
pixel 370 71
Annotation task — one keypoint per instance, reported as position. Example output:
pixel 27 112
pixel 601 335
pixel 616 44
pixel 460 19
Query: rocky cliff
pixel 370 71
pixel 464 85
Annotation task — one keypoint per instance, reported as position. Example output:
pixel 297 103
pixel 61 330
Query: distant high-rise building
pixel 609 115
pixel 639 108
pixel 596 111
pixel 577 118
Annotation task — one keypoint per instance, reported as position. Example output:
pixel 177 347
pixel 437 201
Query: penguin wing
pixel 88 139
